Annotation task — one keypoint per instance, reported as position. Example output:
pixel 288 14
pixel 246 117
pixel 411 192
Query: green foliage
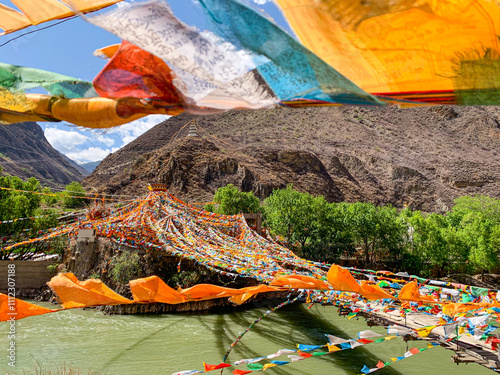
pixel 436 243
pixel 125 267
pixel 310 225
pixel 71 195
pixel 231 201
pixel 49 200
pixel 52 267
pixel 378 232
pixel 186 279
pixel 487 206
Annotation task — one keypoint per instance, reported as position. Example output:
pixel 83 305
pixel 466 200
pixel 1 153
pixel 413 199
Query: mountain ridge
pixel 25 152
pixel 417 157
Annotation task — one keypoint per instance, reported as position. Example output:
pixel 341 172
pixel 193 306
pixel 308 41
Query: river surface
pixel 163 344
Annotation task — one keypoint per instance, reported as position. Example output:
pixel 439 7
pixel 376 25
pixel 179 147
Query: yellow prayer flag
pixel 266 366
pixel 333 348
pixel 425 331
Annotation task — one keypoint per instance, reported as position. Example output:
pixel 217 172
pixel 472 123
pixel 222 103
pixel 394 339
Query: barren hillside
pixel 421 157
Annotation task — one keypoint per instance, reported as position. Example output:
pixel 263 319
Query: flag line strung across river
pixel 225 244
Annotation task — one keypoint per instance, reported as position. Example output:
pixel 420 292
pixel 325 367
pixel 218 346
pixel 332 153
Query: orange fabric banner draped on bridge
pixel 19 310
pixel 410 292
pixel 300 282
pixel 154 289
pixel 341 279
pixel 73 293
pixel 374 292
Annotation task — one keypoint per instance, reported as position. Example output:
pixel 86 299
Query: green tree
pixel 310 225
pixel 434 241
pixel 21 214
pixel 290 214
pixel 331 236
pixel 50 199
pixel 72 194
pixel 480 236
pixel 378 232
pixel 231 201
pixel 487 206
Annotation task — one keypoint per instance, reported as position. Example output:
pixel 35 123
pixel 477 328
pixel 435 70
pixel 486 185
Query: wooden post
pixel 258 219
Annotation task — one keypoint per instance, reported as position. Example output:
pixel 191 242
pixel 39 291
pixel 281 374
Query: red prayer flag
pixel 305 355
pixel 380 364
pixel 414 351
pixel 241 372
pixel 364 341
pixel 215 367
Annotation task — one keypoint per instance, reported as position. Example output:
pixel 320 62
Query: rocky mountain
pixel 25 152
pixel 419 157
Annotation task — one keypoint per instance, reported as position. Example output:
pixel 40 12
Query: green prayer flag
pixel 19 78
pixel 317 354
pixel 255 366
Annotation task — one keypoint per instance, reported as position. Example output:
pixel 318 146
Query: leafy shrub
pixel 125 267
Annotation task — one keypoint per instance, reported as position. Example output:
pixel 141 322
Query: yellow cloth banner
pixel 403 46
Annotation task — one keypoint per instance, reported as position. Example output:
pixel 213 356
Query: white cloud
pixel 261 2
pixel 106 140
pixel 84 145
pixel 64 140
pixel 88 154
pixel 134 129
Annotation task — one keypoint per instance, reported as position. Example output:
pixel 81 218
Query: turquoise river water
pixel 163 344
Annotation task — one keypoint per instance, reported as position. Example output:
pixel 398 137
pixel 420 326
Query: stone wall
pixel 28 275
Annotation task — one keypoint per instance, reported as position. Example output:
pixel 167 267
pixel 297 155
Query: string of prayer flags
pixel 380 364
pixel 303 352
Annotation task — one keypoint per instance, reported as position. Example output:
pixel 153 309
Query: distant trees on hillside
pixel 466 239
pixel 26 208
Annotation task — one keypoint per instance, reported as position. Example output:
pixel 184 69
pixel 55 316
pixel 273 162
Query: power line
pixel 34 31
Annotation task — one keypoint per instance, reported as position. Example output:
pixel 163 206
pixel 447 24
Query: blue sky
pixel 67 48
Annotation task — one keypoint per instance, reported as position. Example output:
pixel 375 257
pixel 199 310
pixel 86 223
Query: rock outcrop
pixel 419 157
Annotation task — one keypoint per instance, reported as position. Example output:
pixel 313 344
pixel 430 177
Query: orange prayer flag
pixel 133 72
pixel 410 292
pixel 414 351
pixel 341 279
pixel 209 291
pixel 73 293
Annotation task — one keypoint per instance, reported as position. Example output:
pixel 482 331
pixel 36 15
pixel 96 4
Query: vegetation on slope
pixel 465 239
